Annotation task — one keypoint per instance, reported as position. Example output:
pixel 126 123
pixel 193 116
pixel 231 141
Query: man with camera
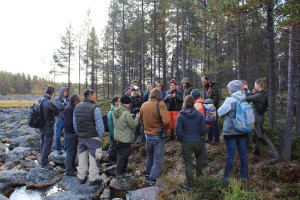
pixel 155 119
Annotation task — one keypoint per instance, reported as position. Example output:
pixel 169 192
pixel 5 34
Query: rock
pixel 29 164
pixel 24 130
pixel 26 141
pixel 105 194
pixel 4 136
pixel 3 157
pixel 67 195
pixel 112 170
pixel 31 158
pixel 13 177
pixel 7 166
pixel 57 158
pixel 118 189
pixel 40 178
pixel 138 173
pixel 103 177
pixel 18 153
pixel 149 193
pixel 2 197
pixel 71 184
pixel 5 189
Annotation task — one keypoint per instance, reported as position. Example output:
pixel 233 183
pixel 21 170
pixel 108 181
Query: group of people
pixel 157 115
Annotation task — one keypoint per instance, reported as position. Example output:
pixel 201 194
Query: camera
pixel 134 112
pixel 162 132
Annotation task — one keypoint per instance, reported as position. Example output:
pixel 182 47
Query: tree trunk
pixel 69 64
pixel 123 49
pixel 177 44
pixel 239 47
pixel 298 81
pixel 281 113
pixel 113 57
pixel 164 54
pixel 154 45
pixel 142 50
pixel 79 69
pixel 183 50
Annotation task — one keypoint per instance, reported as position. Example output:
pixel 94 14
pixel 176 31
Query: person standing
pixel 211 91
pixel 233 138
pixel 147 94
pixel 124 125
pixel 89 128
pixel 70 136
pixel 47 132
pixel 128 91
pixel 154 118
pixel 190 127
pixel 112 151
pixel 61 103
pixel 161 88
pixel 187 86
pixel 260 104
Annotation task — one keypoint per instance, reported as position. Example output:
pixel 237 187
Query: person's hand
pixel 169 95
pixel 246 87
pixel 137 115
pixel 254 91
pixel 174 94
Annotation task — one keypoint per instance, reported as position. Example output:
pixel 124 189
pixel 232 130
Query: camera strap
pixel 158 112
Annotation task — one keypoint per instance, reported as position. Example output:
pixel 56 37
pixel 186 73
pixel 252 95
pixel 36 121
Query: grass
pixel 15 104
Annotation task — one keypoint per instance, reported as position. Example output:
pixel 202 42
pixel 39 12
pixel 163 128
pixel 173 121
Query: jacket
pixel 123 124
pixel 190 125
pixel 228 110
pixel 110 122
pixel 68 120
pixel 61 103
pixel 49 109
pixel 187 90
pixel 258 99
pixel 136 102
pixel 150 119
pixel 212 93
pixel 174 103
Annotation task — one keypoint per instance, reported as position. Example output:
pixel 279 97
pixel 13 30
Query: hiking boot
pixel 46 167
pixel 185 187
pixel 83 181
pixel 95 182
pixel 273 161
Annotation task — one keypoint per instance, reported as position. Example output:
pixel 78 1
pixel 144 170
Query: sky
pixel 31 30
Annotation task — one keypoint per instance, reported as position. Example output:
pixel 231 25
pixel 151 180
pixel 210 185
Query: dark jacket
pixel 174 103
pixel 68 120
pixel 49 109
pixel 258 99
pixel 190 125
pixel 187 90
pixel 212 93
pixel 136 102
pixel 145 97
pixel 85 120
pixel 60 103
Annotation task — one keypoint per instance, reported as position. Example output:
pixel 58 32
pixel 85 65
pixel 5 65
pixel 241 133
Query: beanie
pixel 125 99
pixel 172 81
pixel 235 85
pixel 195 93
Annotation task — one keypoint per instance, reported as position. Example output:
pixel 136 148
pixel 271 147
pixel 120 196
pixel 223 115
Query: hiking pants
pixel 59 126
pixel 188 148
pixel 213 133
pixel 124 151
pixel 261 138
pixel 112 151
pixel 173 117
pixel 155 150
pixel 89 155
pixel 47 133
pixel 71 152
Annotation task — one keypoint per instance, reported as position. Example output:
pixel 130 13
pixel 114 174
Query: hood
pixel 117 112
pixel 239 95
pixel 112 107
pixel 189 112
pixel 61 90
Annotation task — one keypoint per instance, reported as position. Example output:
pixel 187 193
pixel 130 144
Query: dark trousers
pixel 188 148
pixel 123 153
pixel 72 142
pixel 213 133
pixel 47 133
pixel 112 151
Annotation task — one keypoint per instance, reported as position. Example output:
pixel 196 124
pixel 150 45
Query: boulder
pixel 40 178
pixel 5 189
pixel 13 177
pixel 24 130
pixel 67 195
pixel 7 166
pixel 105 194
pixel 26 141
pixel 57 158
pixel 71 184
pixel 18 153
pixel 119 189
pixel 4 135
pixel 29 164
pixel 149 193
pixel 3 157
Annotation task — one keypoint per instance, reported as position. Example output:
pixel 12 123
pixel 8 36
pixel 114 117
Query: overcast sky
pixel 30 30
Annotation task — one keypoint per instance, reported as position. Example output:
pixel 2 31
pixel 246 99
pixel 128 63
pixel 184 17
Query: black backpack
pixel 104 119
pixel 35 117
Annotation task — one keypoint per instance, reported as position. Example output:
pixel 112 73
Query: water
pixel 25 194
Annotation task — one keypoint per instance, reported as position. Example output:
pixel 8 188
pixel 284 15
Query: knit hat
pixel 186 80
pixel 125 99
pixel 235 85
pixel 195 93
pixel 173 81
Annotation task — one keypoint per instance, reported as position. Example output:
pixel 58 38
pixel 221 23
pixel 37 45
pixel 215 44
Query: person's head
pixel 49 90
pixel 205 81
pixel 126 100
pixel 178 85
pixel 260 84
pixel 160 86
pixel 149 88
pixel 116 101
pixel 245 84
pixel 135 91
pixel 195 93
pixel 234 86
pixel 185 82
pixel 65 93
pixel 89 94
pixel 75 99
pixel 134 83
pixel 172 84
pixel 188 102
pixel 155 94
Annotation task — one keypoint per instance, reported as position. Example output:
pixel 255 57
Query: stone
pixel 121 185
pixel 40 178
pixel 24 130
pixel 2 197
pixel 103 177
pixel 31 158
pixel 71 184
pixel 105 194
pixel 3 157
pixel 112 170
pixel 29 164
pixel 148 193
pixel 57 158
pixel 8 166
pixel 5 189
pixel 18 153
pixel 13 177
pixel 32 141
pixel 67 195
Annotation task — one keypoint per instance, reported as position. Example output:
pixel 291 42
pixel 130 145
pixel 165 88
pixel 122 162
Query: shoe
pixel 146 177
pixel 95 182
pixel 70 174
pixel 46 167
pixel 244 180
pixel 185 187
pixel 273 161
pixel 82 181
pixel 150 183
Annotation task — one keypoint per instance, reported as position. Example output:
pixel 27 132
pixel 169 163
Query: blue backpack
pixel 244 118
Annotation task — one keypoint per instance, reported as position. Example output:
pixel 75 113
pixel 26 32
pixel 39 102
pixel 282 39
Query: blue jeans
pixel 72 141
pixel 213 133
pixel 231 144
pixel 155 150
pixel 59 127
pixel 47 133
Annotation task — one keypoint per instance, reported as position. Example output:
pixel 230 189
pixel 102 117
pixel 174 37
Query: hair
pixel 188 102
pixel 162 86
pixel 244 82
pixel 155 94
pixel 205 77
pixel 88 92
pixel 114 100
pixel 49 90
pixel 262 82
pixel 73 98
pixel 148 87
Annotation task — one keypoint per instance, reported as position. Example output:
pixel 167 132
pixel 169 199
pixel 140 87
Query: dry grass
pixel 15 104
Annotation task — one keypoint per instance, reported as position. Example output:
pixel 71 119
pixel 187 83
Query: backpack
pixel 210 112
pixel 104 119
pixel 35 117
pixel 244 118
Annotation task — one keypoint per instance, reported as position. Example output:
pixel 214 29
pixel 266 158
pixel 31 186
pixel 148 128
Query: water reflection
pixel 25 194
